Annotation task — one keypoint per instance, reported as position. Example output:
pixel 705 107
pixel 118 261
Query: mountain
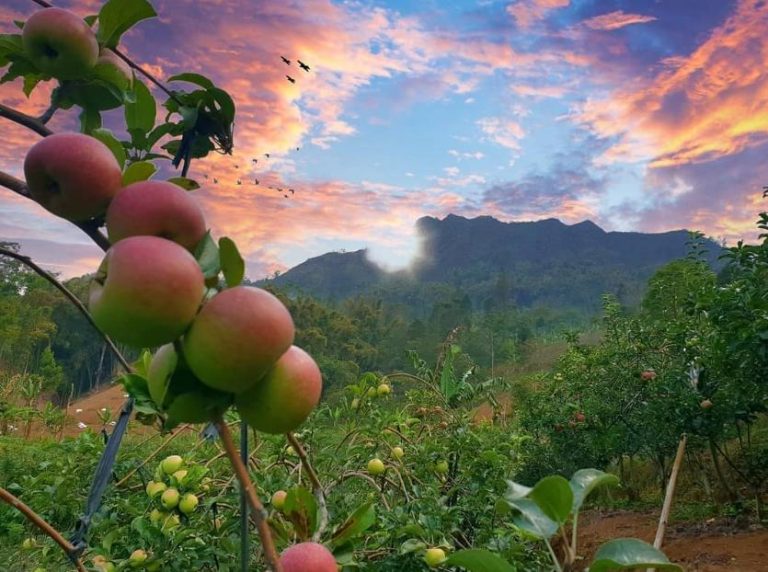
pixel 491 262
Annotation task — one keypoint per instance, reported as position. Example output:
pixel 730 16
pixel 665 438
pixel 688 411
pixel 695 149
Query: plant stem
pixel 573 534
pixel 317 488
pixel 25 120
pixel 259 513
pixel 553 555
pixel 66 546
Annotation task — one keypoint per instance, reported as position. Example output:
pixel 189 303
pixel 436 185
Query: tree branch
pixel 32 516
pixel 72 298
pixel 25 120
pixel 317 488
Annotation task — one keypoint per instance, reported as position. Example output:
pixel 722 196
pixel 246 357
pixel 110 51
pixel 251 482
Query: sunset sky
pixel 639 115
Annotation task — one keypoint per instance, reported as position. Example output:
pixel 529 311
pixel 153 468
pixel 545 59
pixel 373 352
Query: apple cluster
pixel 173 491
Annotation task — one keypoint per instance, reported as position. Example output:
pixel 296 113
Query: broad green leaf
pixel 185 183
pixel 232 264
pixel 584 481
pixel 301 509
pixel 532 519
pixel 141 114
pixel 207 255
pixel 516 491
pixel 412 545
pixel 357 523
pixel 554 496
pixel 195 78
pixel 225 103
pixel 135 385
pixel 108 138
pixel 91 20
pixel 139 171
pixel 189 117
pixel 160 131
pixel 630 554
pixel 118 16
pixel 478 560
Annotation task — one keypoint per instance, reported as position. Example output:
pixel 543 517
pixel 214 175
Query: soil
pixel 712 546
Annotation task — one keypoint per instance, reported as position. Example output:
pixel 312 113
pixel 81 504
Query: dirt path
pixel 711 546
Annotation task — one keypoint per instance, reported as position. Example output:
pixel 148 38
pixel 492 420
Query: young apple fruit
pixel 60 43
pixel 188 503
pixel 376 467
pixel 398 453
pixel 112 69
pixel 278 499
pixel 434 557
pixel 306 557
pixel 169 499
pixel 171 464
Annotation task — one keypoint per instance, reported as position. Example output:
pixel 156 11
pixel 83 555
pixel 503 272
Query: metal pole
pixel 244 553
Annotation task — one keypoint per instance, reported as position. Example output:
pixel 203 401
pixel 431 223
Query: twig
pixel 317 487
pixel 47 115
pixel 25 120
pixel 259 513
pixel 32 516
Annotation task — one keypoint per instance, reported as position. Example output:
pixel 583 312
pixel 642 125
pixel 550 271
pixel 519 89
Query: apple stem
pixel 259 513
pixel 25 120
pixel 33 517
pixel 26 260
pixel 317 487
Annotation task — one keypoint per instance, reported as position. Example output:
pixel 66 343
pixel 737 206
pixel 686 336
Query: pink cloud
pixel 528 12
pixel 616 20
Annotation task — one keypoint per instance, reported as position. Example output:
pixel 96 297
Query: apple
pixel 170 522
pixel 111 68
pixel 171 464
pixel 38 569
pixel 137 558
pixel 398 453
pixel 580 417
pixel 102 564
pixel 355 403
pixel 434 557
pixel 281 401
pixel 308 557
pixel 376 467
pixel 72 175
pixel 706 404
pixel 290 451
pixel 188 503
pixel 383 389
pixel 146 292
pixel 154 488
pixel 648 375
pixel 237 337
pixel 28 543
pixel 179 475
pixel 278 499
pixel 170 498
pixel 156 208
pixel 157 515
pixel 441 467
pixel 60 43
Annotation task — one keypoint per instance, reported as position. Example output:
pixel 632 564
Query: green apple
pixel 434 557
pixel 355 403
pixel 157 515
pixel 170 498
pixel 237 337
pixel 112 68
pixel 155 488
pixel 188 503
pixel 60 43
pixel 146 292
pixel 180 476
pixel 383 389
pixel 290 451
pixel 170 522
pixel 398 453
pixel 376 467
pixel 72 175
pixel 441 467
pixel 286 396
pixel 156 208
pixel 137 558
pixel 308 556
pixel 28 543
pixel 171 464
pixel 278 499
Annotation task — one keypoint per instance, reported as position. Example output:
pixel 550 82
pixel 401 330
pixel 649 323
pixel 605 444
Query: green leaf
pixel 139 171
pixel 357 523
pixel 232 264
pixel 117 16
pixel 584 481
pixel 478 560
pixel 207 255
pixel 141 114
pixel 91 19
pixel 516 491
pixel 301 509
pixel 225 103
pixel 189 117
pixel 630 554
pixel 158 132
pixel 185 183
pixel 532 519
pixel 554 496
pixel 195 78
pixel 30 82
pixel 108 138
pixel 90 120
pixel 135 385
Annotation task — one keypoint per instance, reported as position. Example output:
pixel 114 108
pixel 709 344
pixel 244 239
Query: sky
pixel 640 115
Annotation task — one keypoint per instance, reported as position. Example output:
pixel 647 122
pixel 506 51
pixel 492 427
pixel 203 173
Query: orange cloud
pixel 528 12
pixel 616 20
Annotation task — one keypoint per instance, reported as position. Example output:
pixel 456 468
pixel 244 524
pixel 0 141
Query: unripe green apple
pixel 154 488
pixel 170 522
pixel 103 565
pixel 278 499
pixel 376 467
pixel 156 208
pixel 157 515
pixel 237 337
pixel 398 453
pixel 60 43
pixel 290 451
pixel 137 558
pixel 441 467
pixel 306 557
pixel 170 498
pixel 146 292
pixel 434 557
pixel 28 543
pixel 188 503
pixel 180 476
pixel 72 175
pixel 355 403
pixel 383 389
pixel 38 569
pixel 171 464
pixel 112 69
pixel 286 396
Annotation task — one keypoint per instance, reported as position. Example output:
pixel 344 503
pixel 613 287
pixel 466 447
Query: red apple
pixel 111 68
pixel 60 43
pixel 237 337
pixel 706 404
pixel 146 292
pixel 308 557
pixel 580 417
pixel 281 401
pixel 72 175
pixel 156 208
pixel 648 375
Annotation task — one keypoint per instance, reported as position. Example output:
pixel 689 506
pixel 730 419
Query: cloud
pixel 528 12
pixel 504 132
pixel 616 20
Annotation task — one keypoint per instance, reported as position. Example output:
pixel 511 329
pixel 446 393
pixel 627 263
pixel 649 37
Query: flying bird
pixel 255 181
pixel 286 196
pixel 254 160
pixel 290 79
pixel 239 182
pixel 237 166
pixel 266 155
pixel 303 66
pixel 292 191
pixel 285 60
pixel 215 180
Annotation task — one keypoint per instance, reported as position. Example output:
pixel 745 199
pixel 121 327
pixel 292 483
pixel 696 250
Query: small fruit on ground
pixel 441 467
pixel 60 43
pixel 308 557
pixel 146 292
pixel 286 396
pixel 171 464
pixel 72 175
pixel 156 208
pixel 398 453
pixel 290 451
pixel 355 403
pixel 580 417
pixel 170 498
pixel 154 488
pixel 706 404
pixel 383 389
pixel 188 503
pixel 434 557
pixel 376 467
pixel 137 558
pixel 278 499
